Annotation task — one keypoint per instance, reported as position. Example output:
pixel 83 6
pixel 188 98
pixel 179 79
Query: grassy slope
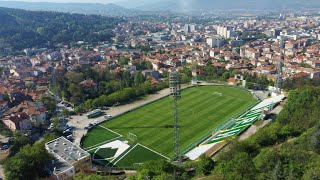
pixel 200 111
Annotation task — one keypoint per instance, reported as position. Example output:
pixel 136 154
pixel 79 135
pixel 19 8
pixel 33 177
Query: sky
pixel 72 1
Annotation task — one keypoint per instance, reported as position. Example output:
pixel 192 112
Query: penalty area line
pixel 110 130
pixel 125 154
pixel 154 151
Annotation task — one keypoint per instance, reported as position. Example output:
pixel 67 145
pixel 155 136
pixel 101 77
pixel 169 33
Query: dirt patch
pixel 252 130
pixel 215 148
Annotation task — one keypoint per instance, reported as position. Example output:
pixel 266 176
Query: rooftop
pixel 65 152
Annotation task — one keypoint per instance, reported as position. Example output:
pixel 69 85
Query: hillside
pixel 6 19
pixel 83 8
pixel 25 29
pixel 288 148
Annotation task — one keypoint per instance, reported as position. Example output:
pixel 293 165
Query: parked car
pixel 105 108
pixel 4 147
pixel 116 104
pixel 69 137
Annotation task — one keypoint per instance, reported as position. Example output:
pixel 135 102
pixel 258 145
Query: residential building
pixel 215 41
pixel 154 74
pixel 187 28
pixel 17 121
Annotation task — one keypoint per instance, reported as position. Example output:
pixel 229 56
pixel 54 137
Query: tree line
pixel 26 29
pixel 112 87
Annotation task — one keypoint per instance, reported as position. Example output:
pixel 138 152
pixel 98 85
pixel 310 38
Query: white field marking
pixel 93 149
pixel 154 151
pixel 95 153
pixel 103 159
pixel 120 150
pixel 101 144
pixel 119 145
pixel 124 154
pixel 110 130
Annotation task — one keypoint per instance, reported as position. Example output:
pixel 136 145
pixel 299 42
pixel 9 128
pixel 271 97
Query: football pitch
pixel 201 110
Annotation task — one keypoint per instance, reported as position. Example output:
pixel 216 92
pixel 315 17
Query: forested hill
pixel 24 29
pixel 288 148
pixel 6 19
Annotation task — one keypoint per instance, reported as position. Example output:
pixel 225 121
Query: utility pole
pixel 174 81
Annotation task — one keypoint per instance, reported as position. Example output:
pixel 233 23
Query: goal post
pixel 132 136
pixel 217 93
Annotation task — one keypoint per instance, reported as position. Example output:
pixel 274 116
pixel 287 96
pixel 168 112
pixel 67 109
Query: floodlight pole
pixel 194 68
pixel 279 69
pixel 174 83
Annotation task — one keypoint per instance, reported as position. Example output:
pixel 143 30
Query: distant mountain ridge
pixel 222 4
pixel 82 8
pixel 133 7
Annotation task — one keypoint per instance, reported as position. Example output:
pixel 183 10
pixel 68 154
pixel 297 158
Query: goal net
pixel 217 93
pixel 132 136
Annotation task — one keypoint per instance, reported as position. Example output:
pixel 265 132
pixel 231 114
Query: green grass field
pixel 200 111
pixel 104 153
pixel 96 136
pixel 138 154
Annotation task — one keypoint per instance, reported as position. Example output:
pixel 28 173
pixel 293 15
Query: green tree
pixel 76 91
pixel 204 165
pixel 20 140
pixel 226 75
pixel 65 112
pixel 124 61
pixel 151 169
pixel 49 103
pixel 75 77
pixel 6 97
pixel 139 79
pixel 41 31
pixel 28 163
pixel 239 167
